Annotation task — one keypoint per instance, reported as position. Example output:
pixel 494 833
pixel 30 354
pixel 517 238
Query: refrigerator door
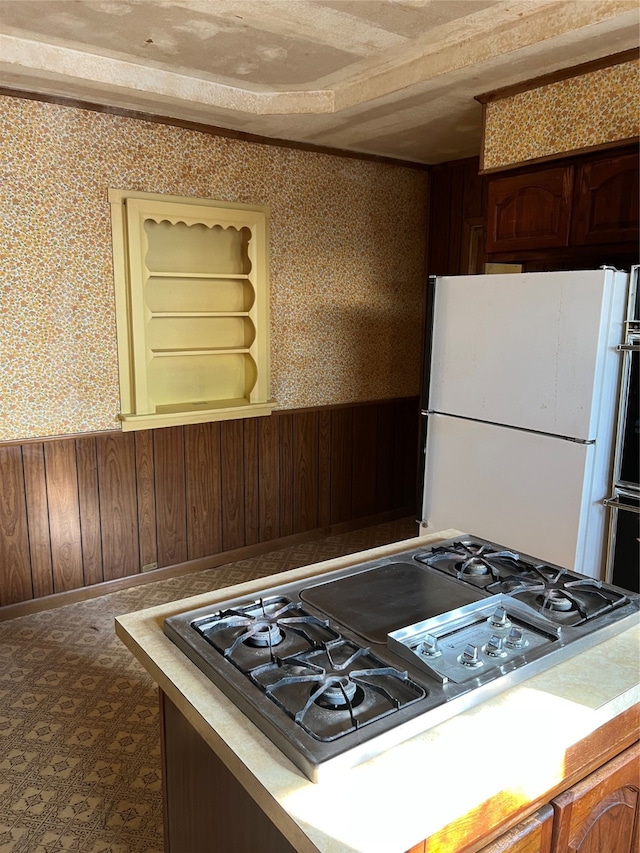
pixel 527 491
pixel 532 350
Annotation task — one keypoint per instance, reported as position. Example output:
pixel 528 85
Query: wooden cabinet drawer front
pixel 606 208
pixel 533 835
pixel 529 211
pixel 600 814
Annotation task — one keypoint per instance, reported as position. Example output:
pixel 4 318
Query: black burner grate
pixel 478 563
pixel 336 689
pixel 252 635
pixel 560 595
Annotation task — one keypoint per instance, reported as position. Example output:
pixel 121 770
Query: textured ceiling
pixel 389 77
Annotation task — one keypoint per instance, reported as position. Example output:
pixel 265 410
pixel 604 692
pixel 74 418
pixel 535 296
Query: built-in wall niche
pixel 192 306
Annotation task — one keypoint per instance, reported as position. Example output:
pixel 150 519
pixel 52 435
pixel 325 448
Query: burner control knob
pixel 516 639
pixel 499 618
pixel 495 648
pixel 469 656
pixel 430 647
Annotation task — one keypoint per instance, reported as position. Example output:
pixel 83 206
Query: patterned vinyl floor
pixel 79 733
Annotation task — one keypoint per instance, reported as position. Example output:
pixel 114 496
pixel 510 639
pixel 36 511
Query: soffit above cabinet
pixel 393 78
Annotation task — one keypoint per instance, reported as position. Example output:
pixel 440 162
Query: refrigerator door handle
pixel 422 465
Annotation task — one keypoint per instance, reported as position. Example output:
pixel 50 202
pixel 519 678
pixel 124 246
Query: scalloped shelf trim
pixel 175 220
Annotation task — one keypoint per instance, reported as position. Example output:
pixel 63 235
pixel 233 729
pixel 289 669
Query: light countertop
pixel 489 761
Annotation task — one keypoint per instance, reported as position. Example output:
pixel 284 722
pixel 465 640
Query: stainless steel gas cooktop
pixel 336 669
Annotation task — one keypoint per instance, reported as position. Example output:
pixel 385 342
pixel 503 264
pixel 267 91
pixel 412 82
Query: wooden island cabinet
pixel 532 835
pixel 548 766
pixel 203 800
pixel 600 814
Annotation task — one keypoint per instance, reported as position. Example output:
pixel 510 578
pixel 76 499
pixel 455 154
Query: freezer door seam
pixel 511 426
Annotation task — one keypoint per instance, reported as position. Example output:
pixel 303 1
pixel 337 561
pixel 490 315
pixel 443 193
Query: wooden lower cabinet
pixel 600 814
pixel 207 809
pixel 533 835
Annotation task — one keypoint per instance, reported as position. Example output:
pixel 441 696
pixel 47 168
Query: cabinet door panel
pixel 530 211
pixel 606 208
pixel 206 808
pixel 600 814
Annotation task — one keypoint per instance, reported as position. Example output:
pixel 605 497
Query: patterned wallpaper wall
pixel 347 257
pixel 592 109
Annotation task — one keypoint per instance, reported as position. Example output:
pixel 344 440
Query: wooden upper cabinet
pixel 606 201
pixel 530 211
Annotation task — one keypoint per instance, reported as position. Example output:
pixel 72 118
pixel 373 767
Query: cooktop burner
pixel 478 562
pixel 336 689
pixel 336 668
pixel 562 596
pixel 249 636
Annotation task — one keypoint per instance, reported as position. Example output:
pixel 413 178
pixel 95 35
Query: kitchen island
pixel 460 785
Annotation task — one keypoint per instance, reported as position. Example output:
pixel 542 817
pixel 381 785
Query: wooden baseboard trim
pixel 74 596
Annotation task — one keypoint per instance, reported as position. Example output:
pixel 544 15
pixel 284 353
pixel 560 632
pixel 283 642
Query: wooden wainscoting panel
pixel 457 190
pixel 251 483
pixel 146 497
pixel 15 571
pixel 89 501
pixel 86 509
pixel 305 468
pixel 341 464
pixel 171 513
pixel 286 473
pixel 440 230
pixel 232 457
pixel 118 505
pixel 324 468
pixel 457 218
pixel 384 457
pixel 269 478
pixel 363 472
pixel 35 486
pixel 64 514
pixel 405 452
pixel 204 515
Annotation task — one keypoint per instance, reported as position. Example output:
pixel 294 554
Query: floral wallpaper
pixel 347 260
pixel 595 108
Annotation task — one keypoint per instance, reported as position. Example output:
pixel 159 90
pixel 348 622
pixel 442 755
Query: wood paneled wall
pixel 78 511
pixel 456 213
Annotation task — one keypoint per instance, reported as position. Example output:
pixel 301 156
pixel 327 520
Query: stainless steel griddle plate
pixel 375 602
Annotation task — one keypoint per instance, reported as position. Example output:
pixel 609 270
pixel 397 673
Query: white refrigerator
pixel 519 408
